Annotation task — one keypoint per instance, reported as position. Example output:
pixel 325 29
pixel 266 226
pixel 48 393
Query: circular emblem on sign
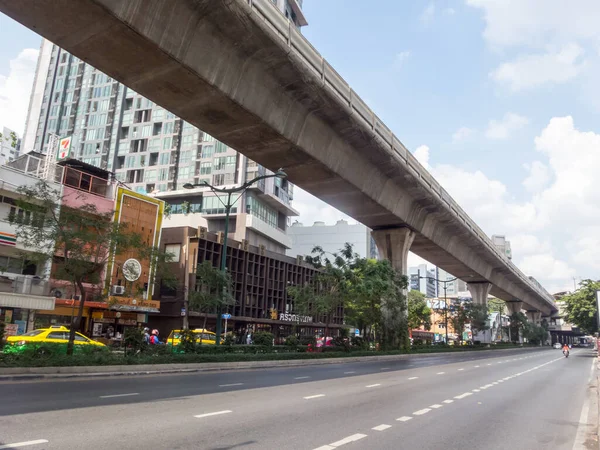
pixel 132 270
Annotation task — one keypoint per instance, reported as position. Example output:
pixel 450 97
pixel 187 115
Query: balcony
pixel 25 292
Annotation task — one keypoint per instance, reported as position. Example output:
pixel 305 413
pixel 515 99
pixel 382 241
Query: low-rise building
pixel 260 277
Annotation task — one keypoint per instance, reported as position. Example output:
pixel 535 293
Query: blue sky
pixel 497 98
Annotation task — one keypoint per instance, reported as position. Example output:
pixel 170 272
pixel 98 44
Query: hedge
pixel 210 354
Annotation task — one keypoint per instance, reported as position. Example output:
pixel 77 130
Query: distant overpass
pixel 240 71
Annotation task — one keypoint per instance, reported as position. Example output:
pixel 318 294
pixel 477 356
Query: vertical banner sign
pixel 64 148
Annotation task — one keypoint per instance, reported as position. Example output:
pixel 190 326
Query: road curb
pixel 36 373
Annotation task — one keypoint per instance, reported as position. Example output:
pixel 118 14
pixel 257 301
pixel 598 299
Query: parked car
pixel 203 337
pixel 49 340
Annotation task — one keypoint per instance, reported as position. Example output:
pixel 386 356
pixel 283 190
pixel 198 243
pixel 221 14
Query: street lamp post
pixel 445 298
pixel 228 205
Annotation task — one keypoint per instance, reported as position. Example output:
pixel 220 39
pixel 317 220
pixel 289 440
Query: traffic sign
pixel 226 316
pixel 357 332
pixel 183 311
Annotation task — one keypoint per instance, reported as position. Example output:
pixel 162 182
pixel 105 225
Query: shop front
pixel 65 311
pixel 18 311
pixel 110 326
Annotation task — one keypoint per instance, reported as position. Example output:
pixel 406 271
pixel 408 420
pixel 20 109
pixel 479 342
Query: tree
pixel 518 321
pixel 458 318
pixel 329 288
pixel 213 289
pixel 371 281
pixel 478 316
pixel 536 334
pixel 419 314
pixel 11 138
pixel 79 241
pixel 581 308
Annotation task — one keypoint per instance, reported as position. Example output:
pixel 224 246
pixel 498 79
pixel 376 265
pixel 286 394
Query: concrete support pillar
pixel 479 292
pixel 514 307
pixel 534 317
pixel 393 245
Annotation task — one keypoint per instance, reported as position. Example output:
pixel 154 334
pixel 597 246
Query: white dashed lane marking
pixel 404 419
pixel 373 385
pixel 461 396
pixel 310 397
pixel 217 413
pixel 381 427
pixel 131 394
pixel 421 412
pixel 24 444
pixel 301 378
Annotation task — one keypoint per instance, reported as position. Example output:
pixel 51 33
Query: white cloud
pixel 401 58
pixel 15 89
pixel 538 178
pixel 555 232
pixel 428 13
pixel 450 11
pixel 531 71
pixel 502 129
pixel 462 134
pixel 422 155
pixel 537 23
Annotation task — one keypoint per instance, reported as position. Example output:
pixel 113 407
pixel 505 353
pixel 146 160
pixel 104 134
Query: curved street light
pixel 228 205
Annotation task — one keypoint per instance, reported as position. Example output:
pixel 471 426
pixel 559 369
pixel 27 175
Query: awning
pixel 38 302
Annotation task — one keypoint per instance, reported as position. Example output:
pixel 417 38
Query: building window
pixel 164 158
pixel 205 168
pixel 167 143
pixel 174 250
pixel 207 151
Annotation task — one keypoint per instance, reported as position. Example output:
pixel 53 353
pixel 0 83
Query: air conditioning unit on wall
pixel 118 290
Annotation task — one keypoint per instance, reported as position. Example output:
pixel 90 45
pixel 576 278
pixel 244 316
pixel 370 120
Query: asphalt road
pixel 518 400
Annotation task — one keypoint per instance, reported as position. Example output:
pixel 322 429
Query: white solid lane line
pixel 217 413
pixel 314 396
pixel 413 378
pixel 118 395
pixel 24 444
pixel 373 385
pixel 381 427
pixel 347 440
pixel 421 412
pixel 404 419
pixel 301 378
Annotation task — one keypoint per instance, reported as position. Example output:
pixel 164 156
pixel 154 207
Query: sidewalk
pixel 33 373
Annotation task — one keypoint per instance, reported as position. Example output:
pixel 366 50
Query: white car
pixel 557 345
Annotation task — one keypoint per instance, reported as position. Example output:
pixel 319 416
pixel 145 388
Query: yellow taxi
pixel 49 340
pixel 203 337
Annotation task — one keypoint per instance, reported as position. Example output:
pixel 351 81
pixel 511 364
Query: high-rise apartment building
pixel 503 245
pixel 423 280
pixel 10 145
pixel 151 150
pixel 454 286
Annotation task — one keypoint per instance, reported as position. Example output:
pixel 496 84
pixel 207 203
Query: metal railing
pixel 32 165
pixel 85 182
pixel 300 47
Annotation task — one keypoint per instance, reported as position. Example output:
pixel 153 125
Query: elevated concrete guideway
pixel 240 71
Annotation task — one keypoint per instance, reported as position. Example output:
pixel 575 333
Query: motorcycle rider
pixel 565 349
